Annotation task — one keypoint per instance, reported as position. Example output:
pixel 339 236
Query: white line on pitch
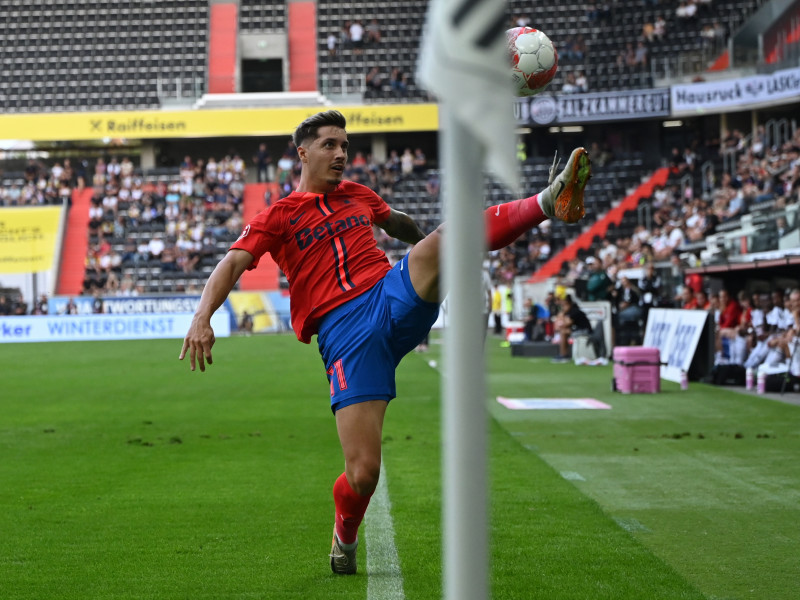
pixel 385 578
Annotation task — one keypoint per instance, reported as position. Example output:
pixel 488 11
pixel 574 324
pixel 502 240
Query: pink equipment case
pixel 637 370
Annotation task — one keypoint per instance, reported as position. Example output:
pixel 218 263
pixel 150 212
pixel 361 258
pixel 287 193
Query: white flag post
pixel 465 485
pixel 463 60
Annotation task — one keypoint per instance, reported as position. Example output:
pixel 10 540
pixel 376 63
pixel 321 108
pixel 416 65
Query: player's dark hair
pixel 309 128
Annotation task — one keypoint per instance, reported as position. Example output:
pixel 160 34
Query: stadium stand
pixel 603 32
pixel 705 216
pixel 687 45
pixel 257 16
pixel 395 55
pixel 16 190
pixel 750 180
pixel 85 55
pixel 138 52
pixel 162 230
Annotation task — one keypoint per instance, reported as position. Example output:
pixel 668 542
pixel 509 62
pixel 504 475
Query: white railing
pixel 343 84
pixel 687 63
pixel 175 87
pixel 778 132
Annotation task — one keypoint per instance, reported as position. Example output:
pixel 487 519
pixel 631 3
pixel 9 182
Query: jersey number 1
pixel 339 371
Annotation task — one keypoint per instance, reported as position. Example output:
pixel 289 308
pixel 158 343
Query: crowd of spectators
pixel 656 23
pixel 650 40
pixel 765 176
pixel 572 49
pixel 40 185
pixel 12 303
pixel 622 270
pixel 174 224
pixel 378 83
pixel 575 82
pixel 682 215
pixel 712 35
pixel 758 332
pixel 633 57
pixel 355 36
pixel 169 225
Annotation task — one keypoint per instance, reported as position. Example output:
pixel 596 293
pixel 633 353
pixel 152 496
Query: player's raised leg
pixel 359 426
pixel 562 200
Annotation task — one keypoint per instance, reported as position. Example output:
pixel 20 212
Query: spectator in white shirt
pixel 357 36
pixel 608 252
pixel 581 82
pixel 56 171
pixel 569 86
pixel 155 247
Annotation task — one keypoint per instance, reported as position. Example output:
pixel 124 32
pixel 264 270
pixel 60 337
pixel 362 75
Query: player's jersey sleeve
pixel 380 210
pixel 259 235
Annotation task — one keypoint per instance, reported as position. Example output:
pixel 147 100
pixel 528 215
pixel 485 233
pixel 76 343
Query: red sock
pixel 506 222
pixel 350 509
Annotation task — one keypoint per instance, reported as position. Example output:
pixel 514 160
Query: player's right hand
pixel 198 342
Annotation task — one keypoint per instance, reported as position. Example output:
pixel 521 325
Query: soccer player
pixel 366 314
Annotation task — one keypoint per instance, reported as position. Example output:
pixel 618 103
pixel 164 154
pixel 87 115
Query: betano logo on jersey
pixel 306 236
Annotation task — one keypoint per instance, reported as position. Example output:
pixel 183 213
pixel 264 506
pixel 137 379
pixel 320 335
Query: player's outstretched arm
pixel 200 338
pixel 402 227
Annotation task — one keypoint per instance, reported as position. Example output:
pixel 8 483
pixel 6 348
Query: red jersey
pixel 731 316
pixel 324 245
pixel 690 305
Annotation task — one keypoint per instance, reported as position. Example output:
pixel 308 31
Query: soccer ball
pixel 534 60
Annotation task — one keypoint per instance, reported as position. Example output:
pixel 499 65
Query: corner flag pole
pixel 464 62
pixel 464 502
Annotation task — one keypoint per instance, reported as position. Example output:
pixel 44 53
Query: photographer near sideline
pixel 570 322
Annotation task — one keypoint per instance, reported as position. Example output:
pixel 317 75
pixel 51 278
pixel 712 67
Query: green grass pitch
pixel 125 476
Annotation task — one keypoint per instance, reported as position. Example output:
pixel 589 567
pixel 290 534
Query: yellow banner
pixel 28 238
pixel 209 123
pixel 258 306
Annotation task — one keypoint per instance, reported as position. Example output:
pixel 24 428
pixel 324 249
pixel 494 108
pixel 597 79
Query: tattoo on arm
pixel 402 227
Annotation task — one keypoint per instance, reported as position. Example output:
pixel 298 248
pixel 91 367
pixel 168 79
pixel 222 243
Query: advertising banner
pixel 210 123
pixel 551 109
pixel 259 306
pixel 676 333
pixel 75 328
pixel 129 305
pixel 28 238
pixel 775 88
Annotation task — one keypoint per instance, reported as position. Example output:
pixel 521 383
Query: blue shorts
pixel 363 340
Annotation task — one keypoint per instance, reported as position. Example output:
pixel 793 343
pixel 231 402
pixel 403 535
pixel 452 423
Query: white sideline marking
pixel 632 525
pixel 385 579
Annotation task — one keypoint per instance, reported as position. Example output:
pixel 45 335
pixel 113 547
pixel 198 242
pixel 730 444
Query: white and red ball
pixel 534 60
